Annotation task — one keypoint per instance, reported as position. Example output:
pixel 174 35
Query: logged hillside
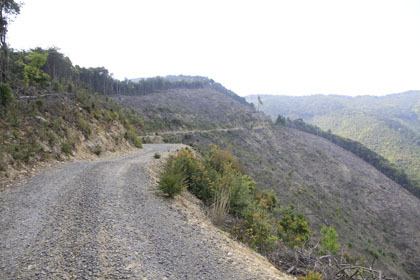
pixel 374 217
pixel 389 125
pixel 189 109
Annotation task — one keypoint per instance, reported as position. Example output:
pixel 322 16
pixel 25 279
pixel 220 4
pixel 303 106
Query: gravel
pixel 104 219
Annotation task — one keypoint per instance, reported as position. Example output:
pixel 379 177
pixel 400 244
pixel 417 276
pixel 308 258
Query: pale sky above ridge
pixel 252 47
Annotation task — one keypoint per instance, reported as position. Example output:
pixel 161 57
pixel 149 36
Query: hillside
pixel 67 111
pixel 389 125
pixel 374 217
pixel 186 109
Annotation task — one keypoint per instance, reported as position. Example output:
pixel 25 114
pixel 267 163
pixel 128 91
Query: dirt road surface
pixel 104 220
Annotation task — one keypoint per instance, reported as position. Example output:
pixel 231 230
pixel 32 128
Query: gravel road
pixel 103 219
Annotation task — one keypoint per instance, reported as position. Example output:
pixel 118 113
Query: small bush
pixel 83 125
pixel 97 150
pixel 132 136
pixel 329 240
pixel 66 148
pixel 156 156
pixel 6 95
pixel 3 164
pixel 172 181
pixel 311 276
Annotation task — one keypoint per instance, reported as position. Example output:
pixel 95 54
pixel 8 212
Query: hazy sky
pixel 289 47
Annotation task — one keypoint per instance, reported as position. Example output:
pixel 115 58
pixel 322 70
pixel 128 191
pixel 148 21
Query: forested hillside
pixel 389 125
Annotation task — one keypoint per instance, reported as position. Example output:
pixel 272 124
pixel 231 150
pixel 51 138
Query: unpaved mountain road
pixel 103 219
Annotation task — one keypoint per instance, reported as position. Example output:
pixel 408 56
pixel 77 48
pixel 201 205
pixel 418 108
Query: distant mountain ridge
pixel 184 81
pixel 389 125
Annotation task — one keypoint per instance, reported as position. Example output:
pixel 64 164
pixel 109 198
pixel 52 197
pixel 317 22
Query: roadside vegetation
pixel 255 218
pixel 44 118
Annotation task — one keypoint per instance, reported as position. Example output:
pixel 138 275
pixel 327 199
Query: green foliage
pixel 33 75
pixel 23 151
pixel 156 155
pixel 329 240
pixel 311 276
pixel 83 126
pixel 260 231
pixel 172 180
pixel 132 136
pixel 293 228
pixel 242 189
pixel 66 148
pixel 218 181
pixel 6 95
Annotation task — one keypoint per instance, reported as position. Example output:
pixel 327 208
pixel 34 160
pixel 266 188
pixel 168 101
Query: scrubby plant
pixel 172 180
pixel 156 155
pixel 33 75
pixel 6 95
pixel 97 149
pixel 311 276
pixel 132 136
pixel 84 126
pixel 293 228
pixel 217 180
pixel 66 148
pixel 329 240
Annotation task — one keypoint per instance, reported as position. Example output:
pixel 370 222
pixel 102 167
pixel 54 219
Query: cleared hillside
pixel 374 217
pixel 202 108
pixel 389 125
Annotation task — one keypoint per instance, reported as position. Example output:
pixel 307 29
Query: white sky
pixel 292 47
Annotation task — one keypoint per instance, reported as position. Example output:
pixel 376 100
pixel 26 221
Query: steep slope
pixel 203 108
pixel 389 125
pixel 41 126
pixel 375 217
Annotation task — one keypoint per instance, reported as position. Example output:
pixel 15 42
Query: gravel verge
pixel 104 219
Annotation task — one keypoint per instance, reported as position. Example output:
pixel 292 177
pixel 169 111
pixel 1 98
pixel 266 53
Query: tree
pixel 259 102
pixel 8 8
pixel 33 75
pixel 329 240
pixel 6 95
pixel 281 120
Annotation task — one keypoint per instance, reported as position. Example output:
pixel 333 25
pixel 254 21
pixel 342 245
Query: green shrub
pixel 84 127
pixel 3 164
pixel 52 137
pixel 260 229
pixel 66 148
pixel 23 151
pixel 6 95
pixel 329 240
pixel 172 180
pixel 293 228
pixel 132 136
pixel 218 180
pixel 242 189
pixel 156 155
pixel 311 276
